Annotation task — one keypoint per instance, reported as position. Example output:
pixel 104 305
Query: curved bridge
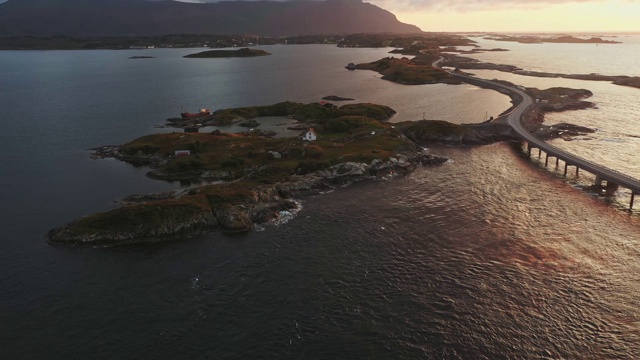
pixel 613 178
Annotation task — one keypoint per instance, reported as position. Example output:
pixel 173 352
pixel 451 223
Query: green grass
pixel 149 215
pixel 346 138
pixel 249 162
pixel 409 72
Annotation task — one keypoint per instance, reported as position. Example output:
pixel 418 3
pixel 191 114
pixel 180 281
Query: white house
pixel 310 135
pixel 182 153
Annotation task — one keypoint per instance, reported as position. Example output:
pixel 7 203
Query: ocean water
pixel 488 256
pixel 616 142
pixel 605 59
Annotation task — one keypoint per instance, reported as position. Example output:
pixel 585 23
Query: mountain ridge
pixel 150 18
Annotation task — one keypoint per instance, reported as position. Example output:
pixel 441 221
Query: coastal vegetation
pixel 242 179
pixel 406 71
pixel 303 112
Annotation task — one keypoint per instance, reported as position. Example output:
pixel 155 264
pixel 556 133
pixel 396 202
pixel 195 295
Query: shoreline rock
pixel 262 205
pixel 461 62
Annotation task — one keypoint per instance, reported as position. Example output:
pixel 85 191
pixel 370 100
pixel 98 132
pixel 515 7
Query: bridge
pixel 613 178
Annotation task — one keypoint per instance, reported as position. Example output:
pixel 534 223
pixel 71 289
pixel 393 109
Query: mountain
pixel 139 17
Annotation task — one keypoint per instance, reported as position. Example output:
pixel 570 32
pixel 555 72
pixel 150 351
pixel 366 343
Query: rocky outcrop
pixel 266 204
pixel 428 131
pixel 558 99
pixel 179 224
pixel 563 130
pixel 565 39
pixel 628 81
pixel 461 62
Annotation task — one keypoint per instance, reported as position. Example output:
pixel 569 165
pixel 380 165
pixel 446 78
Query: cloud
pixel 458 6
pixel 464 6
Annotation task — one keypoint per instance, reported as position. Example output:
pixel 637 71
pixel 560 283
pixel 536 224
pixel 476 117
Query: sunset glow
pixel 508 15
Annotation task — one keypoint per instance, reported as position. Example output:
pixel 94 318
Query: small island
pixel 244 52
pixel 416 71
pixel 461 62
pixel 564 39
pixel 242 179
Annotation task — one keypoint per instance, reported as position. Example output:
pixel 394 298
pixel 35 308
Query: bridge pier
pixel 546 160
pixel 598 181
pixel 557 161
pixel 631 203
pixel 539 153
pixel 529 149
pixel 611 188
pixel 566 165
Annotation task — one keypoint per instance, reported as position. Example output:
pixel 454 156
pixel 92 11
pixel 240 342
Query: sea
pixel 491 255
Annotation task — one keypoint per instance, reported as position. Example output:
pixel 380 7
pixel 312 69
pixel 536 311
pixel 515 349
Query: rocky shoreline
pixel 244 179
pixel 264 204
pixel 460 62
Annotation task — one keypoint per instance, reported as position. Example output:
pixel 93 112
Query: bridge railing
pixel 559 153
pixel 555 151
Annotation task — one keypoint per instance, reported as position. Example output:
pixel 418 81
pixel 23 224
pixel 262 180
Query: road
pixel 514 118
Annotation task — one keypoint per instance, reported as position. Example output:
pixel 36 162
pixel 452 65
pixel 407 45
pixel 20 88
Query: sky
pixel 515 15
pixel 518 16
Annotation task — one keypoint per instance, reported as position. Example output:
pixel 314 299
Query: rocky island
pixel 246 179
pixel 416 71
pixel 244 52
pixel 421 70
pixel 242 179
pixel 460 62
pixel 563 39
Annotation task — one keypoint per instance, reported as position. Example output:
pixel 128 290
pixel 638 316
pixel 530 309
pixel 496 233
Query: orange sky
pixel 522 16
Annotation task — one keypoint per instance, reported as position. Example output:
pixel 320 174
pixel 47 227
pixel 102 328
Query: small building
pixel 178 153
pixel 310 135
pixel 326 104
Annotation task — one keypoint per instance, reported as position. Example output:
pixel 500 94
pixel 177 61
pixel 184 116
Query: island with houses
pixel 237 180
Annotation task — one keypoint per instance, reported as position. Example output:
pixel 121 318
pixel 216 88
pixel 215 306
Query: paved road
pixel 514 119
